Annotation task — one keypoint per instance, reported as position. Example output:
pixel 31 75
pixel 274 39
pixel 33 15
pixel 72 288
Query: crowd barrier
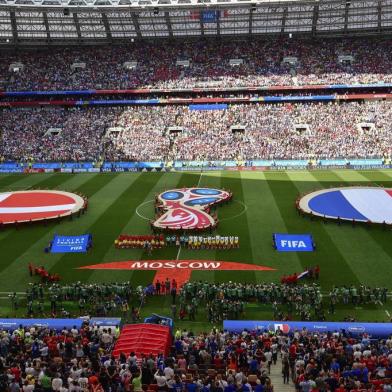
pixel 218 103
pixel 374 330
pixel 140 91
pixel 251 165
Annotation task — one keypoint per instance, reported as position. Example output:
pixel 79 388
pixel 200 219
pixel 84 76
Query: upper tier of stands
pixel 264 62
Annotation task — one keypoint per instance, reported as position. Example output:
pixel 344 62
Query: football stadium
pixel 195 195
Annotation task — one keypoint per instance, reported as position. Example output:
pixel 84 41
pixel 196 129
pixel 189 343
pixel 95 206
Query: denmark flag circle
pixel 25 206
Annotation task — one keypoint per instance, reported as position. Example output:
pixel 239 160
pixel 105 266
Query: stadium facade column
pixel 284 18
pixel 14 27
pixel 346 11
pixel 315 19
pixel 251 11
pixel 77 25
pixel 107 27
pixel 168 23
pixel 379 14
pixel 135 21
pixel 46 23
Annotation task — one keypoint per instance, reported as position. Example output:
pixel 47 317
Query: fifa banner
pixel 293 242
pixel 70 244
pixel 374 330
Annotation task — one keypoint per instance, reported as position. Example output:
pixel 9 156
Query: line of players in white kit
pixel 203 242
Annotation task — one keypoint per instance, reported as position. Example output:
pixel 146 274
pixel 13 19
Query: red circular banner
pixel 25 206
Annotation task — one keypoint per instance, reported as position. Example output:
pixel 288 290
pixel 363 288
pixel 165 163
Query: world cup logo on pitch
pixel 188 208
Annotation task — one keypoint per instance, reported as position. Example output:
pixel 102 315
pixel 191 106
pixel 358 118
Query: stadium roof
pixel 92 21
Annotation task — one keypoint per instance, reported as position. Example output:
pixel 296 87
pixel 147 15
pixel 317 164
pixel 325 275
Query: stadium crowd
pixel 38 359
pixel 263 64
pixel 26 134
pixel 45 360
pixel 282 131
pixel 197 299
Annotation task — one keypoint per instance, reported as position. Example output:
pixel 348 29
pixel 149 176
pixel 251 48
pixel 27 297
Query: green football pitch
pixel 263 203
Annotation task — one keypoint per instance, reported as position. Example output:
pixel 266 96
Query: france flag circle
pixel 350 203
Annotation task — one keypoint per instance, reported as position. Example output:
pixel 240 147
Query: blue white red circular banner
pixel 361 204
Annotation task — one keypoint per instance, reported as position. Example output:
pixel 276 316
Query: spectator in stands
pixel 263 64
pixel 330 131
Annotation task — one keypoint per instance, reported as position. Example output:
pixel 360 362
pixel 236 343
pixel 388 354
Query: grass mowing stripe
pixel 109 225
pixel 17 268
pixel 386 172
pixel 238 226
pixel 376 177
pixel 77 181
pixel 27 181
pixel 8 180
pixel 138 226
pixel 350 177
pixel 285 187
pixel 209 180
pixel 264 219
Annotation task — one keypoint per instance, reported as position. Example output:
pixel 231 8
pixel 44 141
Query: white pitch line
pixel 201 173
pixel 17 292
pixel 178 253
pixel 387 313
pixel 141 205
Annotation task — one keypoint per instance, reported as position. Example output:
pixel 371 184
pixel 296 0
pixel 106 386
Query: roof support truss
pixel 135 22
pixel 14 27
pixel 76 22
pixel 77 25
